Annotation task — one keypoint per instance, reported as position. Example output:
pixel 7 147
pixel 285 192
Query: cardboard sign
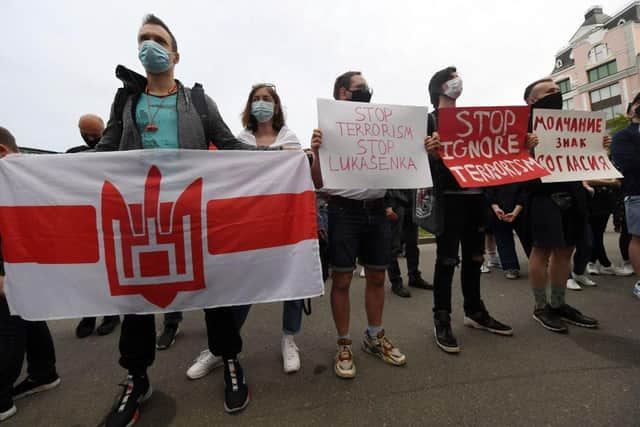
pixel 570 146
pixel 372 145
pixel 486 146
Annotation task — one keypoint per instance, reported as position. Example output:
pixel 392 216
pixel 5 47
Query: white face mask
pixel 453 88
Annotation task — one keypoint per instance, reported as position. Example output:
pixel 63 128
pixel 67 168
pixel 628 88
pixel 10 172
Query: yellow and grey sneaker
pixel 344 366
pixel 381 347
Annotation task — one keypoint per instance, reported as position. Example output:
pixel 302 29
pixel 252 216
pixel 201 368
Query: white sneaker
pixel 626 268
pixel 204 363
pixel 636 289
pixel 621 271
pixel 573 285
pixel 484 269
pixel 362 272
pixel 8 413
pixel 494 261
pixel 592 268
pixel 582 280
pixel 290 355
pixel 607 271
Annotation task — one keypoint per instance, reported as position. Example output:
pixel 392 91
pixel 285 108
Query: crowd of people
pixel 370 227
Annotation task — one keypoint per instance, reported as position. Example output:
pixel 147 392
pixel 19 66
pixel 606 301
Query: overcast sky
pixel 57 59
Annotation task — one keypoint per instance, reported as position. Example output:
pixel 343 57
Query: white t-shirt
pixel 359 194
pixel 285 136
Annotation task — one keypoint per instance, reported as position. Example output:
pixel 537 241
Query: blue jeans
pixel 503 232
pixel 291 316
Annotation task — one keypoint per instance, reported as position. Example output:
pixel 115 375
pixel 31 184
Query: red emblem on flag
pixel 153 249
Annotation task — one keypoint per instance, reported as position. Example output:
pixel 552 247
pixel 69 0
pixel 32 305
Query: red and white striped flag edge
pixel 154 231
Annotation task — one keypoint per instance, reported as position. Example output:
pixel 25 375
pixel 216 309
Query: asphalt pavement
pixel 535 378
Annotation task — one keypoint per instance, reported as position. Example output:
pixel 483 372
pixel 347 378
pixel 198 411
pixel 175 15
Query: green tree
pixel 617 124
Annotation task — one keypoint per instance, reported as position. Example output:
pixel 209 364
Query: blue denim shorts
pixel 358 233
pixel 632 211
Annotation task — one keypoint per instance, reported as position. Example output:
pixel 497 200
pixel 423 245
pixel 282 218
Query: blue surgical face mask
pixel 155 58
pixel 262 110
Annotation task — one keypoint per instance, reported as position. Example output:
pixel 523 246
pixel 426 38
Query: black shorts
pixel 552 227
pixel 359 233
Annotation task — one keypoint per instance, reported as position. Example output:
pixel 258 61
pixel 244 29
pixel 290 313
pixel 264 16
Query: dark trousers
pixel 173 318
pixel 404 230
pixel 583 251
pixel 503 232
pixel 223 331
pixel 598 226
pixel 17 337
pixel 138 338
pixel 463 227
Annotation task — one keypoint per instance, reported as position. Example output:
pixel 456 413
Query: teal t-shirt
pixel 165 118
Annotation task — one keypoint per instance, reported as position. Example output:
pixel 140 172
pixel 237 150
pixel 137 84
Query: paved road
pixel 535 378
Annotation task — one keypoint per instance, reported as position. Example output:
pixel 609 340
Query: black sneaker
pixel 168 337
pixel 482 320
pixel 573 316
pixel 85 327
pixel 108 324
pixel 420 283
pixel 550 320
pixel 398 289
pixel 126 411
pixel 443 334
pixel 32 386
pixel 236 392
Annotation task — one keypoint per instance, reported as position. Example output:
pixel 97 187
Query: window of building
pixel 602 71
pixel 604 93
pixel 567 104
pixel 564 85
pixel 613 111
pixel 598 53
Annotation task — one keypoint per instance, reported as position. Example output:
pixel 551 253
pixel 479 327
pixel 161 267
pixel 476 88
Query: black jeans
pixel 463 227
pixel 17 337
pixel 598 227
pixel 172 319
pixel 404 230
pixel 138 338
pixel 503 232
pixel 583 251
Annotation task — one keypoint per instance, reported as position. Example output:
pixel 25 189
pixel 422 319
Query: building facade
pixel 598 71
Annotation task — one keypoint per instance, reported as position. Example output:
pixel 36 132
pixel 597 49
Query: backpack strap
pixel 118 103
pixel 199 102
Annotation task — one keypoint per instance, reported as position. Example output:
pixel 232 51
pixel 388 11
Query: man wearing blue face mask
pixel 156 112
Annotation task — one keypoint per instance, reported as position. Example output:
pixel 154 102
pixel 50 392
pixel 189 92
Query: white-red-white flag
pixel 154 231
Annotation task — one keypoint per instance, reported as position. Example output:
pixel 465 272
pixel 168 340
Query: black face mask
pixel 361 95
pixel 550 102
pixel 90 140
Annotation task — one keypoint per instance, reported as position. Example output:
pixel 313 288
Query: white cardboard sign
pixel 373 145
pixel 570 145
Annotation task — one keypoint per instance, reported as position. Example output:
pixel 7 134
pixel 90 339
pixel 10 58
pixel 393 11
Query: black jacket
pixel 625 154
pixel 508 196
pixel 443 179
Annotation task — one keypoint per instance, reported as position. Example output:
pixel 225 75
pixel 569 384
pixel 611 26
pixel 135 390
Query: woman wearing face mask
pixel 462 226
pixel 264 125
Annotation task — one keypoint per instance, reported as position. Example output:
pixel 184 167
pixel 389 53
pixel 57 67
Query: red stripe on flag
pixel 260 222
pixel 49 234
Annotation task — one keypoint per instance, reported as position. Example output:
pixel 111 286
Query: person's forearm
pixel 316 173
